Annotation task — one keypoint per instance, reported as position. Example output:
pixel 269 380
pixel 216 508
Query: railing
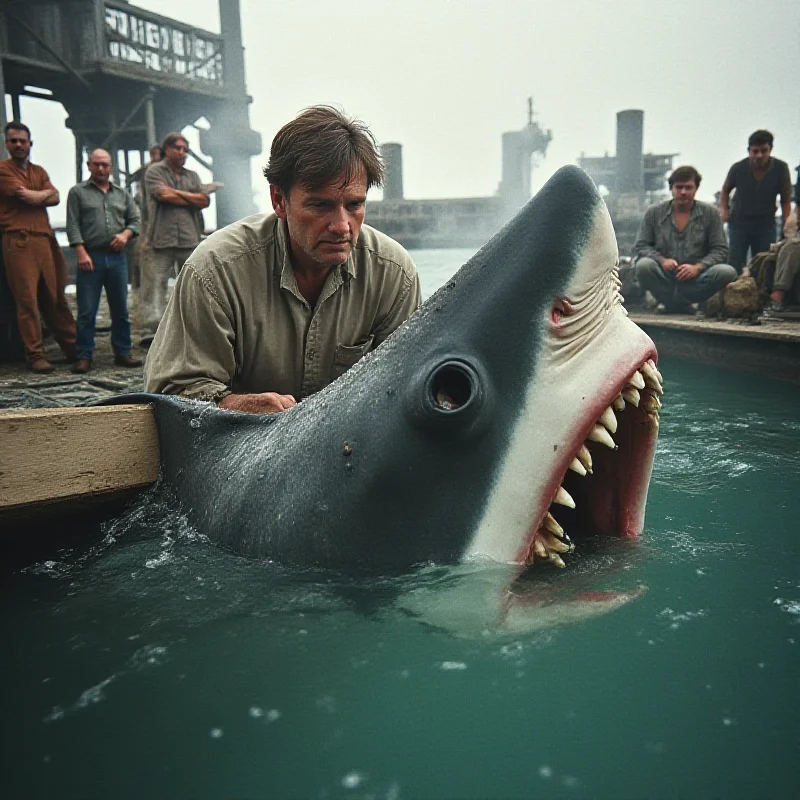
pixel 140 38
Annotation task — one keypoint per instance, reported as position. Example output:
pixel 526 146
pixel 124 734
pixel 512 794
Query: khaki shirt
pixel 237 322
pixel 170 225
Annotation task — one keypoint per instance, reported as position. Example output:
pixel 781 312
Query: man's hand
pixel 669 264
pixel 28 196
pixel 120 240
pixel 724 213
pixel 264 403
pixel 685 272
pixel 84 259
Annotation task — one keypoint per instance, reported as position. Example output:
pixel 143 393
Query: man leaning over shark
pixel 271 309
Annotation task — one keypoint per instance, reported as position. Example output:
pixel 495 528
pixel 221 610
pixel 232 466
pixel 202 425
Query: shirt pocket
pixel 346 355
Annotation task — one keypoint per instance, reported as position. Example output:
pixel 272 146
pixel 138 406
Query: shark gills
pixel 642 390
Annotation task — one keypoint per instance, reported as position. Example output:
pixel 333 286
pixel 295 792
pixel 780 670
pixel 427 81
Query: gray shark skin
pixel 375 474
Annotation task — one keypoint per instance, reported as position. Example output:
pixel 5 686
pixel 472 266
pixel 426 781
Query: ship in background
pixel 459 221
pixel 629 181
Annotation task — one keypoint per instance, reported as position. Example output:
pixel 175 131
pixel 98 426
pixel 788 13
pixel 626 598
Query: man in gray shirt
pixel 681 247
pixel 176 198
pixel 101 219
pixel 274 307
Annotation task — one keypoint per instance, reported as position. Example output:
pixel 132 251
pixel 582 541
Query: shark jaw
pixel 582 451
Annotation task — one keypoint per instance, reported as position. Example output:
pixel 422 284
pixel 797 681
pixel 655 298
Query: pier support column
pixel 3 119
pixel 230 142
pixel 150 119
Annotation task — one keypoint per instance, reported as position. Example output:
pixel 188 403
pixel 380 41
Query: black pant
pixel 753 233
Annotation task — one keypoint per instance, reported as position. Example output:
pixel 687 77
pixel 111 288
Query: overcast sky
pixel 445 78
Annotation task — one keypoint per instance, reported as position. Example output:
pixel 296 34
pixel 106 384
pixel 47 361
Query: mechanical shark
pixel 515 412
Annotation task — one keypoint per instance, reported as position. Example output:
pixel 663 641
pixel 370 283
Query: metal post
pixel 150 117
pixel 3 119
pixel 127 168
pixel 15 112
pixel 78 157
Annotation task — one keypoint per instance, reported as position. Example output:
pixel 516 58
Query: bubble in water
pixel 195 423
pixel 545 771
pixel 352 780
pixel 273 715
pixel 453 665
pixel 255 712
pixel 215 733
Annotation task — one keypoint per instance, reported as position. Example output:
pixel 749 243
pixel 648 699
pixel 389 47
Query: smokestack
pixel 393 175
pixel 630 165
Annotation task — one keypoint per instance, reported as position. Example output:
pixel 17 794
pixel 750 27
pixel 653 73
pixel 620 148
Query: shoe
pixel 146 340
pixel 774 311
pixel 81 366
pixel 40 366
pixel 127 361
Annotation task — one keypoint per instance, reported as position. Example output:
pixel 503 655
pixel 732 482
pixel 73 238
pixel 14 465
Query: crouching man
pixel 681 250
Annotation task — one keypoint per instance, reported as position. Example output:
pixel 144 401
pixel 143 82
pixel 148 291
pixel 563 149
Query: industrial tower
pixel 127 77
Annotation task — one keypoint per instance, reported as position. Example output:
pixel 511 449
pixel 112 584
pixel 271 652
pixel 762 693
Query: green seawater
pixel 147 663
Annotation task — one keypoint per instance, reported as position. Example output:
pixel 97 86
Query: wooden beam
pixel 71 456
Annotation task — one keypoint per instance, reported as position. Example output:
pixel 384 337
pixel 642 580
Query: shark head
pixel 519 390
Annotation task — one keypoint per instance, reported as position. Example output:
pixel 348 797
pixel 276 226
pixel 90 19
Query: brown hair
pixel 320 145
pixel 682 174
pixel 760 137
pixel 16 126
pixel 171 138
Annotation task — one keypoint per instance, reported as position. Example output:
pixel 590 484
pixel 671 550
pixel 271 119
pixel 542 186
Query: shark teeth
pixel 643 390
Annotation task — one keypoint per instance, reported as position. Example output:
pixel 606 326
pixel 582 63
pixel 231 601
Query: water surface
pixel 145 662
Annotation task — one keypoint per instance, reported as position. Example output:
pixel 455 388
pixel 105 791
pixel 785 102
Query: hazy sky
pixel 445 78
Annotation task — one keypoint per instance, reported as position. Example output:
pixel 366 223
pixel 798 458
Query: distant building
pixel 632 180
pixel 458 222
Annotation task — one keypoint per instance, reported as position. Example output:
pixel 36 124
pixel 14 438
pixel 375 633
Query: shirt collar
pixel 670 205
pixel 111 185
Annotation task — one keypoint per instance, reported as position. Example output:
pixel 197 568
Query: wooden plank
pixel 63 455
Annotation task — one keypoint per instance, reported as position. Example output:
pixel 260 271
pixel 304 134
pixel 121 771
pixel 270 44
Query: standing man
pixel 274 307
pixel 681 247
pixel 101 219
pixel 174 229
pixel 758 180
pixel 35 268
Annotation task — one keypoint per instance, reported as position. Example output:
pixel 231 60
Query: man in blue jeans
pixel 101 218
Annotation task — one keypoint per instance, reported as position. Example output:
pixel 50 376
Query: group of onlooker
pixel 102 218
pixel 682 255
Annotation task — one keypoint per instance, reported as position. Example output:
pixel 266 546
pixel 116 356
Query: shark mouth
pixel 604 487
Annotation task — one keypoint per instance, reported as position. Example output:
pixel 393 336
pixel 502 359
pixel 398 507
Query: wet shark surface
pixel 457 438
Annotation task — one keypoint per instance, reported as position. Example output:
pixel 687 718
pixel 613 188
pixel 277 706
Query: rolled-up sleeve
pixel 132 214
pixel 645 246
pixel 717 241
pixel 193 350
pixel 74 235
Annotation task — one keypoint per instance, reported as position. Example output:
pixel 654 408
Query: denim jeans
pixel 755 234
pixel 110 272
pixel 667 289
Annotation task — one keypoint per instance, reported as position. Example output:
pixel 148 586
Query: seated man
pixel 786 284
pixel 681 247
pixel 272 308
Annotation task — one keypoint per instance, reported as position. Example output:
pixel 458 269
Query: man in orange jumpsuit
pixel 35 268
